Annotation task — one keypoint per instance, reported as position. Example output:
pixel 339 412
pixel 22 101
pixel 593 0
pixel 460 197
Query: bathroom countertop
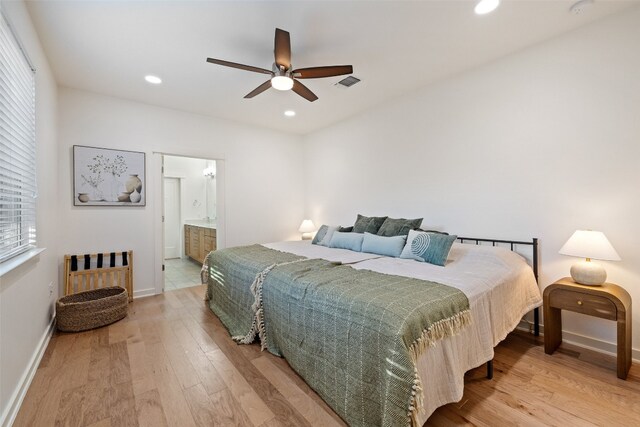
pixel 201 223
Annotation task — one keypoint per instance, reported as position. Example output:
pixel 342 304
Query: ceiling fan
pixel 283 77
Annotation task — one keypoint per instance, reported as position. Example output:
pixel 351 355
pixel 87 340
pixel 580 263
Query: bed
pixel 499 285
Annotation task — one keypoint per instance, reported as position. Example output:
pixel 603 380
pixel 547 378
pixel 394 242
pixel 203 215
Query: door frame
pixel 157 175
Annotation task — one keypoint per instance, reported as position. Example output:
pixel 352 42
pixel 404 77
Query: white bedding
pixel 500 286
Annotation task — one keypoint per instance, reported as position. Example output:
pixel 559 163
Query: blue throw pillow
pixel 351 241
pixel 428 247
pixel 389 246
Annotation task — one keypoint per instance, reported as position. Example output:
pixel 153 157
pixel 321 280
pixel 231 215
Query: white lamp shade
pixel 307 226
pixel 590 244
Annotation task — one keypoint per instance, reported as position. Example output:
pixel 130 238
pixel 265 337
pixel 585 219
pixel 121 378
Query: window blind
pixel 17 147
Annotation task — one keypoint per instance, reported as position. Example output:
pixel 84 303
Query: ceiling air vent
pixel 348 81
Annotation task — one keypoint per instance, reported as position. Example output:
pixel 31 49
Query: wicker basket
pixel 91 309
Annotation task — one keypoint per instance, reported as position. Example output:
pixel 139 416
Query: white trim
pixel 597 345
pixel 16 261
pixel 141 293
pixel 583 341
pixel 15 401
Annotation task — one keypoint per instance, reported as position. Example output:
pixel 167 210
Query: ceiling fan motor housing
pixel 280 70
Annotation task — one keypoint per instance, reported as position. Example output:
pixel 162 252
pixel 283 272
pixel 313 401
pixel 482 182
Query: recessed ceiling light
pixel 153 79
pixel 289 113
pixel 485 6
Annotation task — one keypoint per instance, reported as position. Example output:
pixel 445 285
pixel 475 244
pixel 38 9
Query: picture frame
pixel 108 177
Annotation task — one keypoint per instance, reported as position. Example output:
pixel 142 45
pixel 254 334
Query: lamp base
pixel 588 273
pixel 307 236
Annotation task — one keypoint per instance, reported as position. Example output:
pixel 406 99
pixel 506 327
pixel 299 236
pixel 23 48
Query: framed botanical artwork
pixel 106 177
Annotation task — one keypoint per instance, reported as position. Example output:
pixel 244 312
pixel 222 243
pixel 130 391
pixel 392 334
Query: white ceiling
pixel 394 47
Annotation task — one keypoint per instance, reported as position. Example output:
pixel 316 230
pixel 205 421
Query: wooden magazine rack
pixel 95 271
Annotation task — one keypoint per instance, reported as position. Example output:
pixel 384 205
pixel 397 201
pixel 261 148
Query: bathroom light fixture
pixel 589 244
pixel 486 6
pixel 155 80
pixel 290 113
pixel 282 82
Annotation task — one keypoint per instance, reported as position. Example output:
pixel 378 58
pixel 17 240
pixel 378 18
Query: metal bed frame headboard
pixel 512 243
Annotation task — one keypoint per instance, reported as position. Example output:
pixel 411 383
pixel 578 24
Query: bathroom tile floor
pixel 181 273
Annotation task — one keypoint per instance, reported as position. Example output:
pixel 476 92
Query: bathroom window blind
pixel 17 147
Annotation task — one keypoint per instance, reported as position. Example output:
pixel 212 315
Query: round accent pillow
pixel 420 244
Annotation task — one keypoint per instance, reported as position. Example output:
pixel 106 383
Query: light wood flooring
pixel 172 363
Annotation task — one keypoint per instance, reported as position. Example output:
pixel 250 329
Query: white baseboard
pixel 587 342
pixel 144 293
pixel 11 411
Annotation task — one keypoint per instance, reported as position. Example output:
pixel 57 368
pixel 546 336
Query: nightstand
pixel 608 301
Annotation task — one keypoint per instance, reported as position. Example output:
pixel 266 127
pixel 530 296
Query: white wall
pixel 538 144
pixel 263 175
pixel 25 304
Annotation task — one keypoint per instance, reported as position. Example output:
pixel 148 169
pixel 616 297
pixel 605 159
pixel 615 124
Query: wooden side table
pixel 608 301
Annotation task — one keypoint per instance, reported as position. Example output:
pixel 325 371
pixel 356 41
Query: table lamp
pixel 589 244
pixel 307 228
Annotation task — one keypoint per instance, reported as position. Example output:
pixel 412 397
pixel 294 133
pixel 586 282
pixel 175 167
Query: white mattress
pixel 500 286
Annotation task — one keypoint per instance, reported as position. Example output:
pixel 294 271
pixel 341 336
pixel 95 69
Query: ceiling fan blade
pixel 318 72
pixel 303 91
pixel 240 66
pixel 282 48
pixel 257 91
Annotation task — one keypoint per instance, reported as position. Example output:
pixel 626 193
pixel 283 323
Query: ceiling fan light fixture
pixel 486 6
pixel 290 113
pixel 282 82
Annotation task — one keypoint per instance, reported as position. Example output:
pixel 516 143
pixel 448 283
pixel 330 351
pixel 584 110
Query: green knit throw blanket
pixel 354 335
pixel 230 275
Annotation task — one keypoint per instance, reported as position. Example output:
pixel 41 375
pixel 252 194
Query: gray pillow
pixel 322 231
pixel 346 229
pixel 368 224
pixel 428 247
pixel 351 241
pixel 389 246
pixel 323 236
pixel 398 226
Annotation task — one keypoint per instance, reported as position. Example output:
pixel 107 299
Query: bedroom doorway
pixel 189 208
